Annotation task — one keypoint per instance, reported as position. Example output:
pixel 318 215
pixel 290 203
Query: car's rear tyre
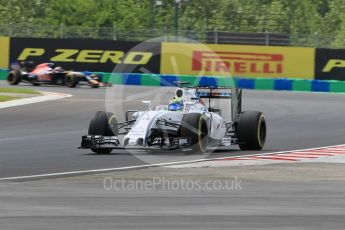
pixel 94 83
pixel 194 128
pixel 14 77
pixel 71 80
pixel 105 124
pixel 251 130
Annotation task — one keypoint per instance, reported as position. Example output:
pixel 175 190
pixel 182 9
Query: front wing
pixel 112 142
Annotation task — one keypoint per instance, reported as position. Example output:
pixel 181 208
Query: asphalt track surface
pixel 81 203
pixel 43 137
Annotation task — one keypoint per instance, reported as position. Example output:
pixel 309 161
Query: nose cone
pixel 133 141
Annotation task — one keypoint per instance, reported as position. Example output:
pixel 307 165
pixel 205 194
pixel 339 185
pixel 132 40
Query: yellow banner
pixel 4 52
pixel 237 60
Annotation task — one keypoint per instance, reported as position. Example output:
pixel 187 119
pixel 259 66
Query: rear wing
pixel 235 95
pixel 236 105
pixel 209 92
pixel 214 95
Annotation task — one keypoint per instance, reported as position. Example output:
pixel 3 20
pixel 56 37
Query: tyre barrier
pixel 281 84
pixel 3 74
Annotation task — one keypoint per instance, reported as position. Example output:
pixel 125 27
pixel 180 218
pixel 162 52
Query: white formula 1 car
pixel 186 123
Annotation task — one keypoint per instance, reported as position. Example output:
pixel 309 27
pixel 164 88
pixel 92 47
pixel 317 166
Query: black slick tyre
pixel 14 77
pixel 71 80
pixel 251 130
pixel 194 128
pixel 105 124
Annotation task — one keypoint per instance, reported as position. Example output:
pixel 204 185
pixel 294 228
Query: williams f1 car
pixel 50 73
pixel 189 122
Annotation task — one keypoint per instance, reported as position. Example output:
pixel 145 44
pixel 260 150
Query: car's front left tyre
pixel 104 124
pixel 14 77
pixel 194 128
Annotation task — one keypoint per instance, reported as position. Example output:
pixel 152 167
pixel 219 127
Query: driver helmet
pixel 176 104
pixel 177 100
pixel 58 69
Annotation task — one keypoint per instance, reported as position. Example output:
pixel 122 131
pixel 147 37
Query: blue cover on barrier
pixel 320 86
pixel 169 80
pixel 245 83
pixel 131 79
pixel 208 81
pixel 283 84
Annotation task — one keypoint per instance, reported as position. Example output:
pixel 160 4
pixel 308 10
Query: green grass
pixel 19 90
pixel 7 98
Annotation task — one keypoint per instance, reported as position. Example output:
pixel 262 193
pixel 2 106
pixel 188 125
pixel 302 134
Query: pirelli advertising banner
pixel 89 55
pixel 330 64
pixel 237 60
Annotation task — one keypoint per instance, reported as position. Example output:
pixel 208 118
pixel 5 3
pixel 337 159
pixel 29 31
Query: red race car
pixel 50 73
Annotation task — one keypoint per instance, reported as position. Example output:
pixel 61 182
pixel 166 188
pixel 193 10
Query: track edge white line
pixel 96 171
